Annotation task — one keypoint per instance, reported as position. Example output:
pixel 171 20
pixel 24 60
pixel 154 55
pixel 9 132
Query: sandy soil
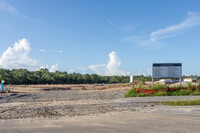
pixel 61 87
pixel 92 110
pixel 56 104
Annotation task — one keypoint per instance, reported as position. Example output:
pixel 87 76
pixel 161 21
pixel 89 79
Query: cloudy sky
pixel 107 37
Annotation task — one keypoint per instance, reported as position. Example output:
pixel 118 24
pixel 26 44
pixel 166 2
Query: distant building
pixel 191 79
pixel 165 81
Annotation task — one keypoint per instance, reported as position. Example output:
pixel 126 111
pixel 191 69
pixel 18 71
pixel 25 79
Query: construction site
pixel 70 104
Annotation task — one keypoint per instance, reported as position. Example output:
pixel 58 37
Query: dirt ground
pixel 39 101
pixel 62 87
pixel 113 122
pixel 86 109
pixel 49 104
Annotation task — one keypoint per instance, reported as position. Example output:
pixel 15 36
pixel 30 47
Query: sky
pixel 107 37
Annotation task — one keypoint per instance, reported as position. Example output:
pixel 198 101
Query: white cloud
pixel 153 40
pixel 7 7
pixel 192 19
pixel 99 69
pixel 54 68
pixel 113 65
pixel 112 68
pixel 44 66
pixel 47 50
pixel 60 51
pixel 18 56
pixel 144 41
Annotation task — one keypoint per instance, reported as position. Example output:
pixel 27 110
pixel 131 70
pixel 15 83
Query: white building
pixel 191 79
pixel 165 81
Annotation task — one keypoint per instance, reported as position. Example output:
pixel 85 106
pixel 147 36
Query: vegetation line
pixel 163 90
pixel 43 76
pixel 182 103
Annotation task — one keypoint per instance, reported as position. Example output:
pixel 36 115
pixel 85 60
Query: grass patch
pixel 179 92
pixel 183 92
pixel 132 93
pixel 159 87
pixel 183 103
pixel 160 93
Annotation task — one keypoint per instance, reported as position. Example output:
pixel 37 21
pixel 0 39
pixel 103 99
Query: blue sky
pixel 107 37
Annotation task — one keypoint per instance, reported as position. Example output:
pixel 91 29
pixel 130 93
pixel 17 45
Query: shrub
pixel 178 86
pixel 196 92
pixel 198 85
pixel 141 84
pixel 141 95
pixel 179 92
pixel 159 87
pixel 131 92
pixel 189 85
pixel 160 93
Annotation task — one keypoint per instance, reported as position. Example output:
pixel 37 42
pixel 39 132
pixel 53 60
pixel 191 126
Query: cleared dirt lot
pixel 60 87
pixel 113 122
pixel 60 103
pixel 105 110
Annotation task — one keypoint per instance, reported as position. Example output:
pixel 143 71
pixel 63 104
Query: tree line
pixel 43 76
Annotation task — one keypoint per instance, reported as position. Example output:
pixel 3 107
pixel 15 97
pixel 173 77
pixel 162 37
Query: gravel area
pixel 54 104
pixel 69 95
pixel 62 103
